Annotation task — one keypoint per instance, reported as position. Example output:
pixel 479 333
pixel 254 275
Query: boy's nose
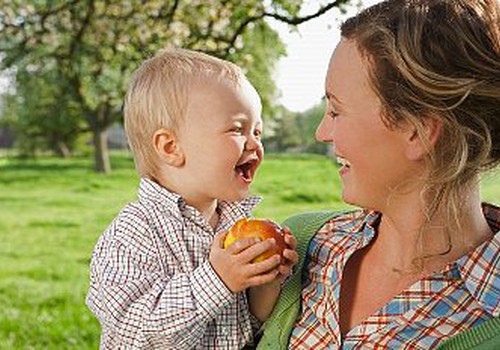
pixel 252 143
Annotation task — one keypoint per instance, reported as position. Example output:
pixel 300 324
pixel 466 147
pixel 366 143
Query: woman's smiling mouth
pixel 345 165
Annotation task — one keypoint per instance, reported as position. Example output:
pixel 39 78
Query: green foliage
pixel 296 131
pixel 308 122
pixel 43 115
pixel 261 53
pixel 53 211
pixel 93 46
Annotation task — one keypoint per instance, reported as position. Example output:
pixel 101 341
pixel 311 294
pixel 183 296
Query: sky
pixel 300 75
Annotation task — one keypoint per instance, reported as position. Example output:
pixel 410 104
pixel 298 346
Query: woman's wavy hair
pixel 438 59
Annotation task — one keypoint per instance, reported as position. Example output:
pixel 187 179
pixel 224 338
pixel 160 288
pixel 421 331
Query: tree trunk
pixel 101 154
pixel 63 150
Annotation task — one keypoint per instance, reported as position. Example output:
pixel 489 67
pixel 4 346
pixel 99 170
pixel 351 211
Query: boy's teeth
pixel 245 170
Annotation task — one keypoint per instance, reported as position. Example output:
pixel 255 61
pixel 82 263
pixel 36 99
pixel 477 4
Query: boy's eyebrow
pixel 241 117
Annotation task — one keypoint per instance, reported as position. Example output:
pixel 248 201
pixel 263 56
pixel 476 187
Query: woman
pixel 413 113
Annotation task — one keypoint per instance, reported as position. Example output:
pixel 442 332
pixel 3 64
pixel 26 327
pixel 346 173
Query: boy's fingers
pixel 290 240
pixel 284 272
pixel 264 266
pixel 256 249
pixel 263 279
pixel 290 255
pixel 219 239
pixel 286 231
pixel 241 244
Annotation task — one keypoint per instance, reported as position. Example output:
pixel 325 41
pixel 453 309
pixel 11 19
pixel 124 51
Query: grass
pixel 53 210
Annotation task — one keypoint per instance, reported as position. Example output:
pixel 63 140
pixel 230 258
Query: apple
pixel 260 228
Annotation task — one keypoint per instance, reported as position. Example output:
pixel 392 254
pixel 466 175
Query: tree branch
pixel 171 13
pixel 298 20
pixel 77 39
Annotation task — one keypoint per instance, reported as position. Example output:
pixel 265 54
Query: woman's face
pixel 373 157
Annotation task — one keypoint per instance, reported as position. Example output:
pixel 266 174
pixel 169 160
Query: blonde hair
pixel 438 59
pixel 158 97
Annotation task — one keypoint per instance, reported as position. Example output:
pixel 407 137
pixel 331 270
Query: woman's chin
pixel 350 198
pixel 346 197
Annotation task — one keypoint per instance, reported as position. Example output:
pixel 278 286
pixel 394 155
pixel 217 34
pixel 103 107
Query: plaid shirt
pixel 463 295
pixel 151 284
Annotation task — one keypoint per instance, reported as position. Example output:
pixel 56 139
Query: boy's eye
pixel 237 129
pixel 257 133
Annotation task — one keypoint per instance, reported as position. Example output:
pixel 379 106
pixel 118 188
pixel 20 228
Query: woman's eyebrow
pixel 331 97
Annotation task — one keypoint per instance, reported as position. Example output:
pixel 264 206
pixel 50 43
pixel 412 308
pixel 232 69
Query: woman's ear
pixel 167 147
pixel 422 138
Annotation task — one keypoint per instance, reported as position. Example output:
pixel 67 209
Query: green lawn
pixel 52 211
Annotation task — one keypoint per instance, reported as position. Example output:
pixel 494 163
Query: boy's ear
pixel 418 149
pixel 167 147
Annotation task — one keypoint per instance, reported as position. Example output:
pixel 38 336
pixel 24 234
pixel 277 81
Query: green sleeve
pixel 278 327
pixel 483 337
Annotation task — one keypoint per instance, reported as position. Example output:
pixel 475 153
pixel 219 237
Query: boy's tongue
pixel 244 171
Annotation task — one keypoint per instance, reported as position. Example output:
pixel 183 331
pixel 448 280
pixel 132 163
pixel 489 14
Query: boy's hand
pixel 262 298
pixel 290 256
pixel 234 264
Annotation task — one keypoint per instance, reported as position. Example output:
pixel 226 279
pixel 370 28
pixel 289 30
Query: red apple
pixel 260 228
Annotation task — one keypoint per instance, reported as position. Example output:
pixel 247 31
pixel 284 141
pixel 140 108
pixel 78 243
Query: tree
pixel 308 122
pixel 295 131
pixel 92 46
pixel 42 114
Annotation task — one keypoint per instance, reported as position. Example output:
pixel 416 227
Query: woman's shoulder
pixel 314 220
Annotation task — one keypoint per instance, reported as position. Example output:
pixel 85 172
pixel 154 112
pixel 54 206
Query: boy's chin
pixel 236 197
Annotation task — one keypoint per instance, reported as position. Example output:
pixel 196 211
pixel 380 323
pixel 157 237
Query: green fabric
pixel 484 337
pixel 278 327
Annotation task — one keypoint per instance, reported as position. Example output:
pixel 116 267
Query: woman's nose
pixel 324 130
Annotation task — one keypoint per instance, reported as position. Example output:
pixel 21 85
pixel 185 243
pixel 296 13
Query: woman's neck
pixel 404 234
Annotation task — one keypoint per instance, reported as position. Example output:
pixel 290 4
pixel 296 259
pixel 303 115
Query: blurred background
pixel 65 170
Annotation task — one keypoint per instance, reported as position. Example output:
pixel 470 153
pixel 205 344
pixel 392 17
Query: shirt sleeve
pixel 141 305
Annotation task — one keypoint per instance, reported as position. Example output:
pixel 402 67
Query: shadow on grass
pixel 53 164
pixel 45 166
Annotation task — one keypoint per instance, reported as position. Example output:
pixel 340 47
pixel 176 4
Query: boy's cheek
pixel 260 152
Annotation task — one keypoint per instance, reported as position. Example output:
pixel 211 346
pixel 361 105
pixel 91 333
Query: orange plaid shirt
pixel 463 295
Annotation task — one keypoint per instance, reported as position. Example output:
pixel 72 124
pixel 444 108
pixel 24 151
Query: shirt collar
pixel 364 224
pixel 152 192
pixel 230 212
pixel 245 206
pixel 480 269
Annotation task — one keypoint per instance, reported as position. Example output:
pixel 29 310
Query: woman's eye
pixel 333 114
pixel 257 133
pixel 237 129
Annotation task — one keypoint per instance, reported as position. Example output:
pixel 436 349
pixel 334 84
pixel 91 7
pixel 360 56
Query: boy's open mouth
pixel 247 169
